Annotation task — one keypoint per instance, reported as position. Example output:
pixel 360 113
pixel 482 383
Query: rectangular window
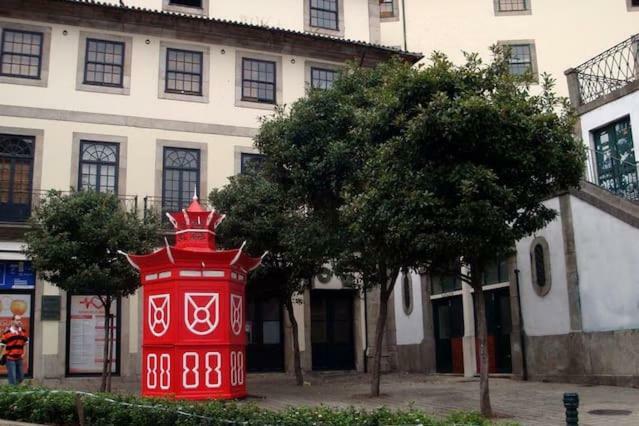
pixel 496 272
pixel 183 72
pixel 322 78
pixel 99 166
pixel 614 160
pixel 258 81
pixel 187 3
pixel 251 162
pixel 16 173
pixel 512 5
pixel 85 335
pixel 180 177
pixel 104 63
pixel 386 8
pixel 324 14
pixel 21 54
pixel 521 61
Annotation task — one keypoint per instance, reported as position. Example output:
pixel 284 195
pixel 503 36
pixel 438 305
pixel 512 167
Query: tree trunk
pixel 482 329
pixel 297 363
pixel 385 290
pixel 106 305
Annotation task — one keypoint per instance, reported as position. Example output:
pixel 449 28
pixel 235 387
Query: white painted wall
pixel 409 328
pixel 607 258
pixel 546 315
pixel 610 112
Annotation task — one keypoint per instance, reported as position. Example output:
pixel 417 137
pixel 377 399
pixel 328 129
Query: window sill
pixel 325 31
pixel 189 10
pixel 95 88
pixel 513 12
pixel 390 18
pixel 184 98
pixel 24 81
pixel 255 105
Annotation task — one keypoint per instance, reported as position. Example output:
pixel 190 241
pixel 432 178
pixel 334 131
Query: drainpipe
pixel 404 23
pixel 522 340
pixel 365 330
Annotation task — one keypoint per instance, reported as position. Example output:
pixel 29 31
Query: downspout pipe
pixel 365 330
pixel 522 339
pixel 404 23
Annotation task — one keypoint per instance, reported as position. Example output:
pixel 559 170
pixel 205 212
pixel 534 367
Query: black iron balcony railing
pixel 16 206
pixel 609 71
pixel 617 175
pixel 159 206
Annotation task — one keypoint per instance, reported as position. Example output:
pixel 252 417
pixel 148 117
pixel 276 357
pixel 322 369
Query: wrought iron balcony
pixel 617 175
pixel 159 206
pixel 16 206
pixel 607 72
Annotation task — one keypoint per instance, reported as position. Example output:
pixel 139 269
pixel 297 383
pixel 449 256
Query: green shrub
pixel 38 405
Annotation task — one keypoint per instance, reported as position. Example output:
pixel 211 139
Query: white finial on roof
pixel 195 198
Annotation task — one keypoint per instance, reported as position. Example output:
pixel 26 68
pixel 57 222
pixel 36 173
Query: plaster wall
pixel 607 253
pixel 143 100
pixel 623 107
pixel 547 315
pixel 409 327
pixel 565 32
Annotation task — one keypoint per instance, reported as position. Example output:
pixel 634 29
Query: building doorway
pixel 264 350
pixel 615 159
pixel 448 319
pixel 499 324
pixel 332 337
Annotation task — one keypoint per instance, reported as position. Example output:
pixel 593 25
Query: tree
pixel 260 213
pixel 74 243
pixel 419 166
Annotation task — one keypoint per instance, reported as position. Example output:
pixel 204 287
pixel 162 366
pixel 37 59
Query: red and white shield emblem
pixel 201 312
pixel 159 314
pixel 236 313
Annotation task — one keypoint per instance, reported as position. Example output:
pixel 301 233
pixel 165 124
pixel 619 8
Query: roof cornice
pixel 175 25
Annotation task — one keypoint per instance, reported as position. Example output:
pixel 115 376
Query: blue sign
pixel 16 274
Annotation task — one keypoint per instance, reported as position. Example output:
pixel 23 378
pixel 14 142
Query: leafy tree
pixel 417 166
pixel 260 213
pixel 74 245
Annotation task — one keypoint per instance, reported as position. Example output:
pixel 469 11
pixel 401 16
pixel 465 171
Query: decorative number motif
pixel 152 371
pixel 165 371
pixel 212 370
pixel 201 312
pixel 237 368
pixel 236 314
pixel 190 370
pixel 159 314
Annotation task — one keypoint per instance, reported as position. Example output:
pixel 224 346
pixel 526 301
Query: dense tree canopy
pixel 415 166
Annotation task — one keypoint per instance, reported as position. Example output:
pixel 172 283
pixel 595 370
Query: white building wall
pixel 547 315
pixel 607 258
pixel 409 327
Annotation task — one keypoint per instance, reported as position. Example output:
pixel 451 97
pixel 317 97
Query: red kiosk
pixel 194 344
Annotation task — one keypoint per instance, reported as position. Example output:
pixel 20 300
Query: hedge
pixel 44 406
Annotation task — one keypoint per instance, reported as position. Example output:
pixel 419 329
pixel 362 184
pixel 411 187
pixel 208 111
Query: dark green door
pixel 332 340
pixel 615 159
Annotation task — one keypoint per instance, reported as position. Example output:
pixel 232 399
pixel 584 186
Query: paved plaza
pixel 530 403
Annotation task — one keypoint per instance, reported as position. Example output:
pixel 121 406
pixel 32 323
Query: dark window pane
pixel 322 78
pixel 188 3
pixel 98 166
pixel 251 163
pixel 181 177
pixel 512 5
pixel 21 53
pixel 540 266
pixel 324 14
pixel 258 80
pixel 16 168
pixel 386 9
pixel 104 63
pixel 183 72
pixel 520 59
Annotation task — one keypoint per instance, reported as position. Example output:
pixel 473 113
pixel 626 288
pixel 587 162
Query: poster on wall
pixel 16 274
pixel 16 304
pixel 86 335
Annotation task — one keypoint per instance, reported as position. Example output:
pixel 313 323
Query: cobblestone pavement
pixel 530 403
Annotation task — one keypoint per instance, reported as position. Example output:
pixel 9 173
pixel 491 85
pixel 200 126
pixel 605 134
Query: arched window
pixel 540 266
pixel 407 292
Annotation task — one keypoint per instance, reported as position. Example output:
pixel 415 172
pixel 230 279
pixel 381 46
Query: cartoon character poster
pixel 16 304
pixel 86 335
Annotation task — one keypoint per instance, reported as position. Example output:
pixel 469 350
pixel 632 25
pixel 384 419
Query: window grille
pixel 324 14
pixel 104 62
pixel 98 166
pixel 512 5
pixel 258 81
pixel 21 54
pixel 322 78
pixel 183 72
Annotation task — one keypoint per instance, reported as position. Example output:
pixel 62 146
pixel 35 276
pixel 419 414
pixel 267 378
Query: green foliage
pixel 75 239
pixel 59 407
pixel 259 212
pixel 414 165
